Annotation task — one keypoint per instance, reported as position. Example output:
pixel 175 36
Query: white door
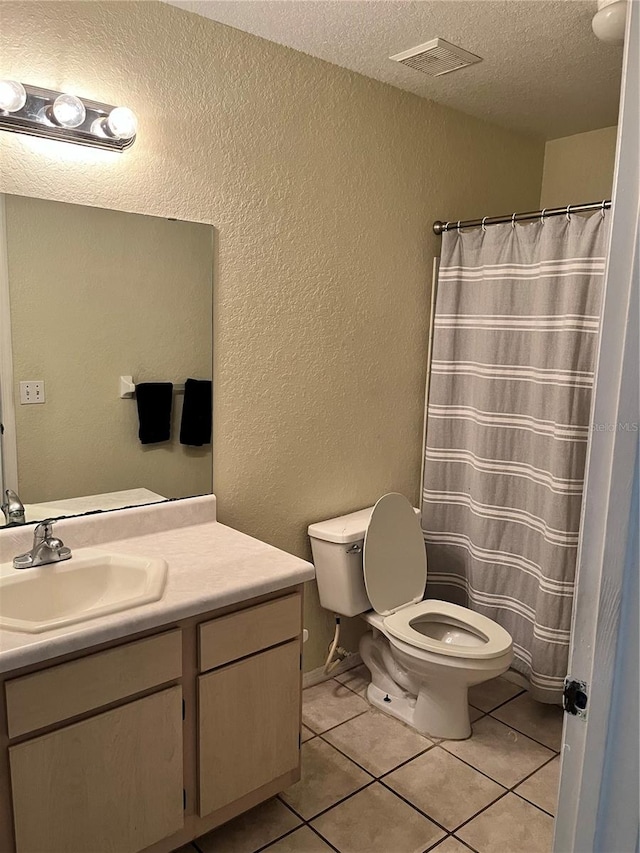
pixel 598 801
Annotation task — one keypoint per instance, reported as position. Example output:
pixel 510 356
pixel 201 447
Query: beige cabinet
pixel 148 743
pixel 249 723
pixel 109 784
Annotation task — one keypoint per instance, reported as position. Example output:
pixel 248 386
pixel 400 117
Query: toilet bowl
pixel 423 655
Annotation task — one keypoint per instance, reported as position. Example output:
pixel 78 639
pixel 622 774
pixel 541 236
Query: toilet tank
pixel 336 545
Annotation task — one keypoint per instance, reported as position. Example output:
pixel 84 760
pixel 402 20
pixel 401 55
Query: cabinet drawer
pixel 239 634
pixel 63 691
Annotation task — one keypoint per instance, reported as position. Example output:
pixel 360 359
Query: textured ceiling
pixel 543 70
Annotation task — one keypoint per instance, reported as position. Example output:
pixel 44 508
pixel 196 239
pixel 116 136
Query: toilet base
pixel 400 707
pixel 423 712
pixel 426 692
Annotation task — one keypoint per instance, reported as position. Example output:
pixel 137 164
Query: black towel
pixel 154 401
pixel 195 428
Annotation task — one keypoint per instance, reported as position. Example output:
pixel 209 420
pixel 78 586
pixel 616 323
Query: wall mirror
pixel 86 296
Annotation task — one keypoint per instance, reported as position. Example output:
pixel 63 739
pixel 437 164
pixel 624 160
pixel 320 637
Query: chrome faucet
pixel 13 508
pixel 46 548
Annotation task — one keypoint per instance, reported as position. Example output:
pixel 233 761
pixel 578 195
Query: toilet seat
pixel 394 559
pixel 497 641
pixel 395 574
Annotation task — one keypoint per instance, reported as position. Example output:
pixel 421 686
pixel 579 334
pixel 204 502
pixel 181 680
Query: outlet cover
pixel 32 391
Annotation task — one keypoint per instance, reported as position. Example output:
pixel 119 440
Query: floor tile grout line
pixel 436 843
pixel 320 835
pixel 319 734
pixel 415 807
pixel 504 794
pixel 526 778
pixel 464 843
pixel 515 729
pixel 535 805
pixel 507 726
pixel 343 684
pixel 278 838
pixel 291 809
pixel 348 757
pixel 501 704
pixel 467 820
pixel 533 773
pixel 408 761
pixel 481 772
pixel 333 805
pixel 482 810
pixel 434 745
pixel 386 772
pixel 455 838
pixel 381 779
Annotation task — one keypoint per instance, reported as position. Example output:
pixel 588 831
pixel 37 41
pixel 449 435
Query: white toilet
pixel 423 655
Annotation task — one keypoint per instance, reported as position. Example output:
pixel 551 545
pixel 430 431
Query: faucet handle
pixel 44 530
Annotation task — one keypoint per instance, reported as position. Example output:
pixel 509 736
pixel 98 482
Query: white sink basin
pixel 91 584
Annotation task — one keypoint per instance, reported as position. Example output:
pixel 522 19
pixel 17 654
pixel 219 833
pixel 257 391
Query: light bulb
pixel 608 23
pixel 13 96
pixel 121 123
pixel 68 111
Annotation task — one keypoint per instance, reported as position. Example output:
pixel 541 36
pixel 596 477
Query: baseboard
pixel 317 676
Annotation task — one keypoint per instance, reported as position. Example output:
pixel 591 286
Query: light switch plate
pixel 32 391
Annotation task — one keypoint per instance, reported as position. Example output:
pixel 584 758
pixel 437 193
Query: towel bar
pixel 128 388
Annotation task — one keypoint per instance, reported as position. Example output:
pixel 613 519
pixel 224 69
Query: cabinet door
pixel 109 784
pixel 249 724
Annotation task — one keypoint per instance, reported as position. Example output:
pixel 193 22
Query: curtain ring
pixel 544 210
pixel 446 226
pixel 458 226
pixel 568 213
pixel 484 227
pixel 513 220
pixel 604 201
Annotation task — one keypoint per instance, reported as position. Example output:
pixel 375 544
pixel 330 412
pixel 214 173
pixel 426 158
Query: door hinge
pixel 184 800
pixel 184 710
pixel 575 697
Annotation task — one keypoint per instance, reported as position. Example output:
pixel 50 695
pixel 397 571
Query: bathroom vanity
pixel 144 729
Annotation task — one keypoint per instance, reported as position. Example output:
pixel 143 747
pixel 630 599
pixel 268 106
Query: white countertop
pixel 210 566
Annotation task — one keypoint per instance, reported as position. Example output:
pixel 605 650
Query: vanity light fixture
pixel 60 115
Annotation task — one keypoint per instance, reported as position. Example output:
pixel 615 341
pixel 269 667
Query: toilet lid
pixel 395 558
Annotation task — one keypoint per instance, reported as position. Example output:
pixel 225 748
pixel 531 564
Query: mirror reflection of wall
pixel 96 294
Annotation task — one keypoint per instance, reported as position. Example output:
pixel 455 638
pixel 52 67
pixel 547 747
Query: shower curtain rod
pixel 440 227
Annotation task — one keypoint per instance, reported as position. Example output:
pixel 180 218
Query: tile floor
pixel 372 785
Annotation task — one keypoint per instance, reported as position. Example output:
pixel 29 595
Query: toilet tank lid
pixel 344 528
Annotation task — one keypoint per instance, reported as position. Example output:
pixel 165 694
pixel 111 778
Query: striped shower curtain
pixel 514 347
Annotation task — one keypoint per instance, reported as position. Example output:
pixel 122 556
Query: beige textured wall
pixel 323 185
pixel 96 294
pixel 579 168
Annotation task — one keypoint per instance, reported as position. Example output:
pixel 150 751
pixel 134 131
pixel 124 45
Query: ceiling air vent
pixel 436 57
